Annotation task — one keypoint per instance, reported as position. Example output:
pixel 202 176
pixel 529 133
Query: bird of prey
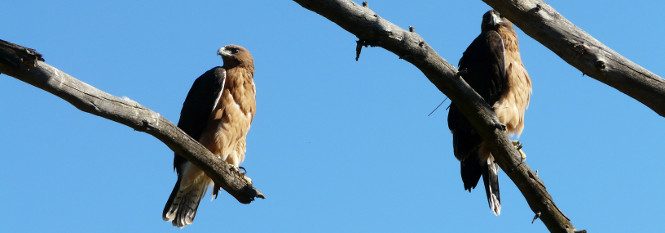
pixel 492 66
pixel 217 112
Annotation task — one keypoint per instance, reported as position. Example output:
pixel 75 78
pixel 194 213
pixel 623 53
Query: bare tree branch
pixel 28 66
pixel 373 30
pixel 544 24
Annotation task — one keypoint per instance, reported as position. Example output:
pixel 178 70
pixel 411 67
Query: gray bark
pixel 28 66
pixel 372 30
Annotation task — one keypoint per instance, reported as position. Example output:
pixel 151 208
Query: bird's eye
pixel 234 50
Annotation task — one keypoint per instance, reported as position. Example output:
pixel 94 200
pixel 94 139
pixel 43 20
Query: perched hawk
pixel 492 66
pixel 217 112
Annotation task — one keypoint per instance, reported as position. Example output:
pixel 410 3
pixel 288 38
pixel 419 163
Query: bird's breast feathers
pixel 231 119
pixel 511 106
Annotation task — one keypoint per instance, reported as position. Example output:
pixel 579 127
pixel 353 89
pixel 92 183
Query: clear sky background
pixel 336 145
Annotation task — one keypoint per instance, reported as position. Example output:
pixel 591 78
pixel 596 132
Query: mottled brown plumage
pixel 492 67
pixel 218 112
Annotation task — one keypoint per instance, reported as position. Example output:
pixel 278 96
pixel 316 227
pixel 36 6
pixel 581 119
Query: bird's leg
pixel 518 146
pixel 498 124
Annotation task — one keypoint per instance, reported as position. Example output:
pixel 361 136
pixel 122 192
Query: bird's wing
pixel 485 67
pixel 200 101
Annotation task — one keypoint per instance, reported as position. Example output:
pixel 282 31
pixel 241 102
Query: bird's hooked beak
pixel 496 18
pixel 223 52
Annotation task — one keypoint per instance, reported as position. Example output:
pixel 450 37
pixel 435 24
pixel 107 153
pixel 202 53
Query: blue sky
pixel 336 145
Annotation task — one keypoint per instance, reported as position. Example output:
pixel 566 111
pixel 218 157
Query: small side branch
pixel 359 47
pixel 28 66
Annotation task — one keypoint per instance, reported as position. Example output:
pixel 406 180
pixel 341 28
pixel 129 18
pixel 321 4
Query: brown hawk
pixel 492 66
pixel 217 112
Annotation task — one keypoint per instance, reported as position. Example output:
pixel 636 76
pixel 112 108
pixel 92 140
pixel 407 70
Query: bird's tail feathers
pixel 471 171
pixel 181 207
pixel 491 180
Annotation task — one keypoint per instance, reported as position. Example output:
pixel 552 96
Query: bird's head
pixel 235 55
pixel 492 20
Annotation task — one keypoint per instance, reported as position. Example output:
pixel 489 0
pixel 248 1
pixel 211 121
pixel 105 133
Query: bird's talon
pixel 242 171
pixel 234 169
pixel 517 144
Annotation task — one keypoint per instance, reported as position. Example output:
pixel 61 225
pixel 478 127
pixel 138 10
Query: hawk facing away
pixel 217 112
pixel 492 66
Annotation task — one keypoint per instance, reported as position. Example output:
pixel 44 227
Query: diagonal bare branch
pixel 28 66
pixel 544 24
pixel 373 30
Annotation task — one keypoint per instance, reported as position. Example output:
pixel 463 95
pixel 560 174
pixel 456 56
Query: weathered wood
pixel 18 56
pixel 28 66
pixel 373 30
pixel 541 22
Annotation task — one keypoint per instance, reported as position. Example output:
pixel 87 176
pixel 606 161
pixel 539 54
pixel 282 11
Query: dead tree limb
pixel 541 22
pixel 27 65
pixel 373 30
